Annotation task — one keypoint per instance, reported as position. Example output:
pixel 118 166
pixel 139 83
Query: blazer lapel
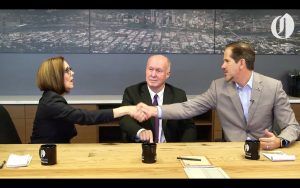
pixel 145 95
pixel 257 88
pixel 235 99
pixel 168 99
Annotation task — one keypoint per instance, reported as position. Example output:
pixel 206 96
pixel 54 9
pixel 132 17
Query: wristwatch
pixel 284 143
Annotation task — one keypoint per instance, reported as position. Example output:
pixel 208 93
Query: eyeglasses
pixel 68 70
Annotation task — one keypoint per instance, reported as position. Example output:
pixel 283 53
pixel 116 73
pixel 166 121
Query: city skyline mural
pixel 130 31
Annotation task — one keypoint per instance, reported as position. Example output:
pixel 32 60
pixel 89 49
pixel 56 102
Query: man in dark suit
pixel 157 72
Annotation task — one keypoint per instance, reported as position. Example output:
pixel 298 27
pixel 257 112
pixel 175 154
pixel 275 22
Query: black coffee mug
pixel 251 149
pixel 48 154
pixel 148 152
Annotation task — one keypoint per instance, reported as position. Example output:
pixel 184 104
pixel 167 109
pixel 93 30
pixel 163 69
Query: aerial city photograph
pixel 191 31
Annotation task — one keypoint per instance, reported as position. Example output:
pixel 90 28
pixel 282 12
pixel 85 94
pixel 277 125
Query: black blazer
pixel 174 130
pixel 55 118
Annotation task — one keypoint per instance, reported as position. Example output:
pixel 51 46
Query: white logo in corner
pixel 43 153
pixel 246 147
pixel 285 28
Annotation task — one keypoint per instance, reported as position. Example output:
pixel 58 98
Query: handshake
pixel 141 112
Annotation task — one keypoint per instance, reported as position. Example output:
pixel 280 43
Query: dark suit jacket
pixel 55 118
pixel 174 130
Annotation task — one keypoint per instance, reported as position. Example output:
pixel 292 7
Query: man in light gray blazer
pixel 247 102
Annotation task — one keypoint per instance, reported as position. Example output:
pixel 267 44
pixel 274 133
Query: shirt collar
pixel 249 83
pixel 160 94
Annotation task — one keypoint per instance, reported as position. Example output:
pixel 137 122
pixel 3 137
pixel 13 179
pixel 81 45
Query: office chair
pixel 8 132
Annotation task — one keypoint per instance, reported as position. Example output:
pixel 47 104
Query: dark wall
pixel 109 74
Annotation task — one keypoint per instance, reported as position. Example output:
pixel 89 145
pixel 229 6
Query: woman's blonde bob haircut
pixel 50 75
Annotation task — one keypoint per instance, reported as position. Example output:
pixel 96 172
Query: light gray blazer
pixel 269 104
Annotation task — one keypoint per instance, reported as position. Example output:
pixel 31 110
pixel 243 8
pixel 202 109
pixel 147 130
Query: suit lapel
pixel 236 101
pixel 255 95
pixel 168 99
pixel 145 95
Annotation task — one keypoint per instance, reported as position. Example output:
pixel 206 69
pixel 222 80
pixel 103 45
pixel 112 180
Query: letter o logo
pixel 285 27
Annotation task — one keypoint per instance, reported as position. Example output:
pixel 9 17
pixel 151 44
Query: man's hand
pixel 137 114
pixel 146 135
pixel 149 111
pixel 270 141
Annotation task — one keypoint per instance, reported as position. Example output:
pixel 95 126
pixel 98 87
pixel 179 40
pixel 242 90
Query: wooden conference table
pixel 123 160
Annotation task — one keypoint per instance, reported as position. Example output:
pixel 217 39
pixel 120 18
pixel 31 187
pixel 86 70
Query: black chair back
pixel 8 132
